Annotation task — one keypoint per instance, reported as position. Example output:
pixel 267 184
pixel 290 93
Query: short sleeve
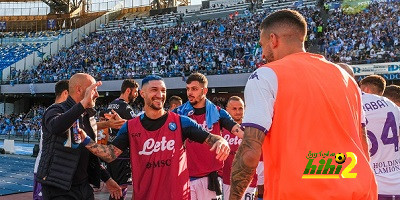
pixel 122 139
pixel 260 94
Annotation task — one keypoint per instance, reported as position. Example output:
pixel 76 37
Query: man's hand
pixel 91 95
pixel 114 120
pixel 114 115
pixel 115 124
pixel 82 133
pixel 114 189
pixel 220 145
pixel 236 130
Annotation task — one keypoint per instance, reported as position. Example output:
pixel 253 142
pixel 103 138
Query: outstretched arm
pixel 246 161
pixel 107 153
pixel 114 121
pixel 260 94
pixel 220 145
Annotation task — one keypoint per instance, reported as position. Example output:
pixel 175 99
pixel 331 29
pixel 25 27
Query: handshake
pixel 114 121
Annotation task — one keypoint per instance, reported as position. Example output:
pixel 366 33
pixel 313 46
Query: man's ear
pixel 205 91
pixel 141 92
pixel 65 93
pixel 273 38
pixel 127 91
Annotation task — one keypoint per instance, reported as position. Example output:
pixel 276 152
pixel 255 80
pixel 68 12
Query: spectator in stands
pixel 183 48
pixel 367 37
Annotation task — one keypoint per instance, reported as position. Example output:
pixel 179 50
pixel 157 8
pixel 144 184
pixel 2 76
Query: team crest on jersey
pixel 172 126
pixel 253 76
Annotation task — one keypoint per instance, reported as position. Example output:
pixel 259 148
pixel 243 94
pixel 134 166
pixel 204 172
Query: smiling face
pixel 154 94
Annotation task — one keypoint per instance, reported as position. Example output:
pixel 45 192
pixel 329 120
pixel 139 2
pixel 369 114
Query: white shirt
pixel 260 95
pixel 383 120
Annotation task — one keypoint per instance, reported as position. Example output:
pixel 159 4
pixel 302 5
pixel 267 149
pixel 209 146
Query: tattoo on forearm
pixel 246 161
pixel 107 153
pixel 211 139
pixel 237 131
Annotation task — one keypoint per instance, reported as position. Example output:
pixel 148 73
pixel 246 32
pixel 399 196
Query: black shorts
pixel 120 169
pixel 77 192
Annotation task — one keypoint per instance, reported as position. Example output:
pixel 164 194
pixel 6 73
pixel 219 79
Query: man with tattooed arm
pixel 300 102
pixel 155 138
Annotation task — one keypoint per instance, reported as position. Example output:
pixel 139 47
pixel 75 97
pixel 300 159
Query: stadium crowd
pixel 35 34
pixel 216 46
pixel 28 124
pixel 210 47
pixel 22 124
pixel 367 37
pixel 15 46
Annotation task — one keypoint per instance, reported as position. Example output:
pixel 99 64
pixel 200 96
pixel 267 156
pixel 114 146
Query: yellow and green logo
pixel 327 169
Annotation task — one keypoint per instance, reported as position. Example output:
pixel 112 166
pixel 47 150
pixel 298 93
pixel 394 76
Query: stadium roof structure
pixel 69 6
pixel 63 6
pixel 160 4
pixel 16 0
pixel 56 6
